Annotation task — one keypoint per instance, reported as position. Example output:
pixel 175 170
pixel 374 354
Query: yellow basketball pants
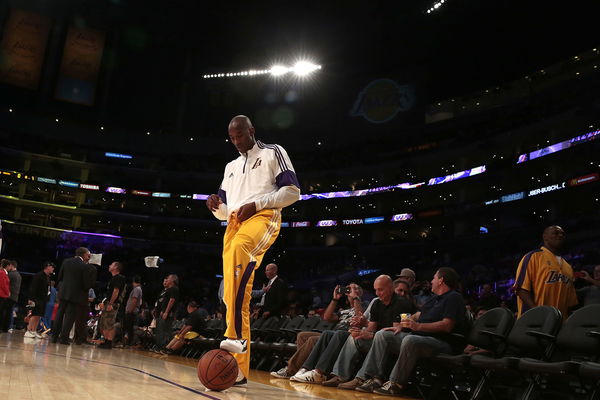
pixel 244 246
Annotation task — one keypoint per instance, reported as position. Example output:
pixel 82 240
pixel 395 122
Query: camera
pixel 343 290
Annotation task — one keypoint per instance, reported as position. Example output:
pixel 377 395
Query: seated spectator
pixel 402 289
pixel 487 298
pixel 191 329
pixel 385 312
pixel 479 312
pixel 470 349
pixel 422 293
pixel 316 299
pixel 590 294
pixel 306 341
pixel 430 331
pixel 407 275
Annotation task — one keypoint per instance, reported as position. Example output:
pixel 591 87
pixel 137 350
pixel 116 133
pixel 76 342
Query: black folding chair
pixel 489 333
pixel 532 335
pixel 577 342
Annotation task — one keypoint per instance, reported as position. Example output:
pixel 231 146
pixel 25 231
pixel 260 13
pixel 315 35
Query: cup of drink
pixel 404 316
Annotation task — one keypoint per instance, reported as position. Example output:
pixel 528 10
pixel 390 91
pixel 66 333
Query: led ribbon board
pixel 559 146
pixel 118 155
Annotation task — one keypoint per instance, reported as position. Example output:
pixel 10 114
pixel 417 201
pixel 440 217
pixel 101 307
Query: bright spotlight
pixel 278 70
pixel 303 68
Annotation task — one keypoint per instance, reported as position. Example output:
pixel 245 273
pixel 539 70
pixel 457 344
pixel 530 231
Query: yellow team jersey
pixel 548 279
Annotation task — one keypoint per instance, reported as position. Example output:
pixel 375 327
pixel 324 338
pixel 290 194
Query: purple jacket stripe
pixel 287 178
pixel 223 195
pixel 521 276
pixel 282 164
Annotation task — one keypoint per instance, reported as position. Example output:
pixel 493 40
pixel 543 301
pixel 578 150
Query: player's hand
pixel 585 275
pixel 109 307
pixel 163 316
pixel 246 211
pixel 213 202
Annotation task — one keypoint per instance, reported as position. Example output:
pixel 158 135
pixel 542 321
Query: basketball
pixel 217 370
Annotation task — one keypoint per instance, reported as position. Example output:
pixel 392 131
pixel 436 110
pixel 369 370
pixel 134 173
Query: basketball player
pixel 255 187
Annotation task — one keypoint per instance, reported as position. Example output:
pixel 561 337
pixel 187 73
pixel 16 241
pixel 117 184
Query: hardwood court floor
pixel 34 369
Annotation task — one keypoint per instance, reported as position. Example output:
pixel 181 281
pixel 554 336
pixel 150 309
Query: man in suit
pixel 80 334
pixel 274 300
pixel 75 279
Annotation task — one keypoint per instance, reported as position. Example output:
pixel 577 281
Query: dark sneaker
pixel 369 385
pixel 281 374
pixel 390 389
pixel 333 382
pixel 353 384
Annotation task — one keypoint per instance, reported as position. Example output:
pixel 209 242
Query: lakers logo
pixel 556 276
pixel 382 99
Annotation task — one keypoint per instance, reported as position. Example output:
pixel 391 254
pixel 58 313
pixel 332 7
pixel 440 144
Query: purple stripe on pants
pixel 239 299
